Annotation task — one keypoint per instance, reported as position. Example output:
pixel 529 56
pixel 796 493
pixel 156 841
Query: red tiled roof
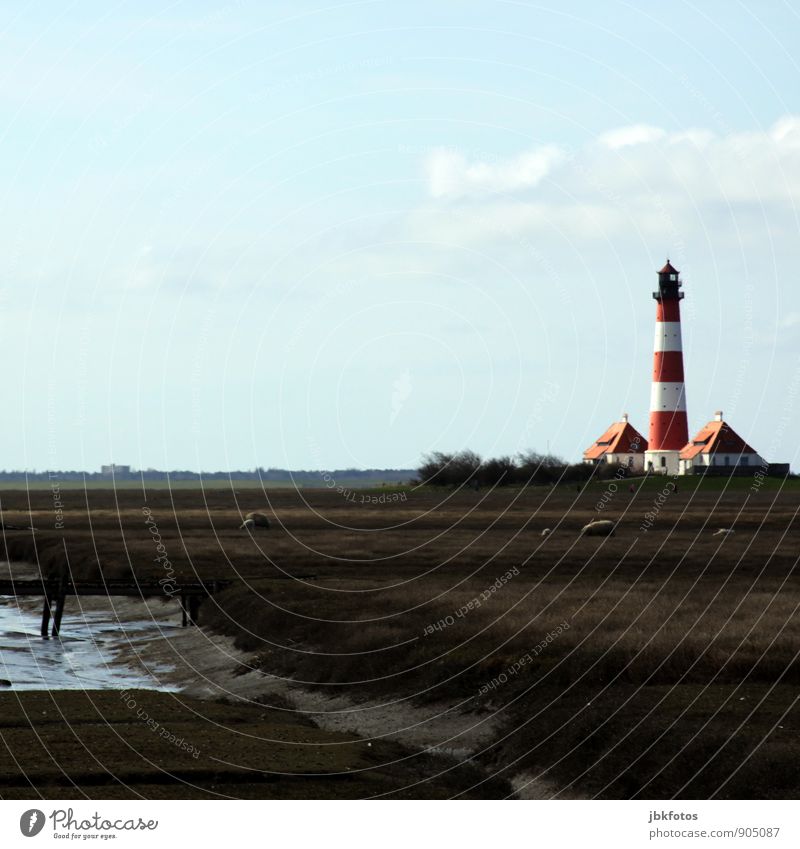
pixel 620 438
pixel 716 437
pixel 668 269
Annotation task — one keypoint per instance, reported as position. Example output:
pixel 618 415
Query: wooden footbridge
pixel 55 592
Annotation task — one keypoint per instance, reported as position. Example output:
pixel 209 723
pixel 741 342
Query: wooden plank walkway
pixel 113 586
pixel 55 592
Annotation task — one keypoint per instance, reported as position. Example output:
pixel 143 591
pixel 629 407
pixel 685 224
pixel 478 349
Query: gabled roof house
pixel 717 445
pixel 621 443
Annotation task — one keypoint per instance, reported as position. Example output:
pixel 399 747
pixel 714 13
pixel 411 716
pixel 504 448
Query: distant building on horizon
pixel 115 471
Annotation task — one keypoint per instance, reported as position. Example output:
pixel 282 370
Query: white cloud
pixel 638 177
pixel 786 131
pixel 633 135
pixel 698 138
pixel 452 175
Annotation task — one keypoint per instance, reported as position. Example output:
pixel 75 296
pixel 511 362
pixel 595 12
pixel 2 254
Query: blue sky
pixel 293 234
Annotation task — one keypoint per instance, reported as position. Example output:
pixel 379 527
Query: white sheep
pixel 255 520
pixel 600 528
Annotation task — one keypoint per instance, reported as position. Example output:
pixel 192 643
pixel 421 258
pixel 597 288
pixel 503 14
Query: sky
pixel 295 234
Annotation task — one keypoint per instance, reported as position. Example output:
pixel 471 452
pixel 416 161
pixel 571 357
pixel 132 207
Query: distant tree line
pixel 467 468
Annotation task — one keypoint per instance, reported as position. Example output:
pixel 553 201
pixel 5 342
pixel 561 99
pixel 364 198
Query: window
pixel 663 462
pixel 745 461
pixel 673 277
pixel 727 461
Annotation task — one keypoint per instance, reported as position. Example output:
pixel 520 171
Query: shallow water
pixel 87 653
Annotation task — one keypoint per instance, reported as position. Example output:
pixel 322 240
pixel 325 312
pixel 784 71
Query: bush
pixel 441 469
pixel 498 472
pixel 527 469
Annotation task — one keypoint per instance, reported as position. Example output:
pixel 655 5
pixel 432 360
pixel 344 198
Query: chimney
pixel 625 418
pixel 718 416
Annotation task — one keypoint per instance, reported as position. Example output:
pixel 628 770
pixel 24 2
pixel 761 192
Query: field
pixel 661 662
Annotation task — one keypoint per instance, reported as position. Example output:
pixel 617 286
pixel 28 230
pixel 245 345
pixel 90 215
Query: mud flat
pixel 146 744
pixel 209 666
pixel 199 730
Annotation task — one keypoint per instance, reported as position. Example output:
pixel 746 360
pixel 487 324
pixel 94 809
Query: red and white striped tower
pixel 669 430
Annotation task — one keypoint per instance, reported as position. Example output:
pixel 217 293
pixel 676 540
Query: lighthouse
pixel 669 431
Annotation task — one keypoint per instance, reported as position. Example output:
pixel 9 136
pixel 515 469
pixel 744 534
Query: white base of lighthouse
pixel 663 462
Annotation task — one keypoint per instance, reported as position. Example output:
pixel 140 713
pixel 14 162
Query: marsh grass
pixel 678 667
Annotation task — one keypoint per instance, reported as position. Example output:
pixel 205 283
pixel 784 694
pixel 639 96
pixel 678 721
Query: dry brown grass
pixel 643 692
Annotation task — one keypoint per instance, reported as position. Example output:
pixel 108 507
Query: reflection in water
pixel 84 655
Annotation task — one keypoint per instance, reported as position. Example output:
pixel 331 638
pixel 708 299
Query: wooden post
pixel 194 608
pixel 60 601
pixel 46 614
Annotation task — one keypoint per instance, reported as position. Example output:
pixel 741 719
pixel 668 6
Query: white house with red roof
pixel 621 444
pixel 717 446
